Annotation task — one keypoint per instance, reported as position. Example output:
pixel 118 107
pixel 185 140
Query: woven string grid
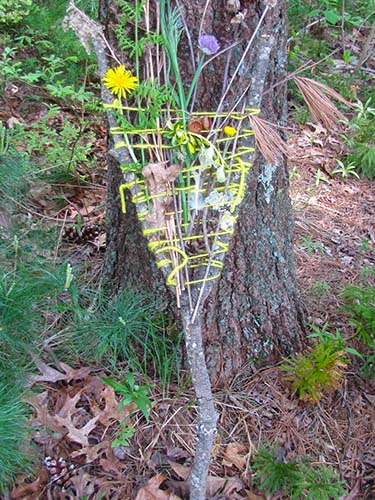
pixel 191 236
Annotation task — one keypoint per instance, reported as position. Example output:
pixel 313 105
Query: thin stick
pixel 203 16
pixel 207 416
pixel 249 44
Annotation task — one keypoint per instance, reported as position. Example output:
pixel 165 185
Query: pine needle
pixel 268 141
pixel 321 107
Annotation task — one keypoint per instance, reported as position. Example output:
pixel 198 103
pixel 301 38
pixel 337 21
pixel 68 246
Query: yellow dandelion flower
pixel 230 131
pixel 120 81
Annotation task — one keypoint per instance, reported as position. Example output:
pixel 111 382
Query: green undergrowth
pixel 360 138
pixel 296 478
pixel 324 46
pixel 47 310
pixel 15 451
pixel 37 50
pixel 360 303
pixel 321 368
pixel 46 153
pixel 127 332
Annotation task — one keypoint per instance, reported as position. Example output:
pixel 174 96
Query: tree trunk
pixel 253 314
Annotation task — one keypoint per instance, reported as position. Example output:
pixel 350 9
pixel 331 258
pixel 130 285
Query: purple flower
pixel 208 44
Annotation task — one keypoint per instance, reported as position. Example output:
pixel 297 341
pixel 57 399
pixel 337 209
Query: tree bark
pixel 128 262
pixel 253 315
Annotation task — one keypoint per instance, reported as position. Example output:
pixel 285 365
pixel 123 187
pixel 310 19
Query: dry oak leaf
pixel 181 470
pixel 151 490
pixel 92 452
pixel 76 435
pixel 30 491
pixel 234 455
pixel 64 419
pixel 110 413
pixel 225 486
pixel 39 402
pixel 253 496
pixel 49 374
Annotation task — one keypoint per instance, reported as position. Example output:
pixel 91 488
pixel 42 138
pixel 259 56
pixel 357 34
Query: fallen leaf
pixel 84 485
pixel 87 210
pixel 30 491
pixel 253 496
pixel 69 406
pixel 225 486
pixel 151 490
pixel 92 452
pixel 43 418
pixel 181 470
pixel 234 455
pixel 110 413
pixel 49 374
pixel 76 435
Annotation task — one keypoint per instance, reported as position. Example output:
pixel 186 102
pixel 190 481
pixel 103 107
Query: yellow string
pixel 233 164
pixel 170 277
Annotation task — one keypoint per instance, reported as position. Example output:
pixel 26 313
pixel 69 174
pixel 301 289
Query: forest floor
pixel 76 415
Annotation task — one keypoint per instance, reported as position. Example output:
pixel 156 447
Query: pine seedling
pixel 296 479
pixel 273 473
pixel 317 482
pixel 321 369
pixel 13 435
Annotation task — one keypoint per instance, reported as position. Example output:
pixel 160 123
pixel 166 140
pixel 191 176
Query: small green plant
pixel 14 451
pixel 293 173
pixel 345 170
pixel 320 177
pixel 322 368
pixel 318 482
pixel 320 288
pixel 132 393
pixel 13 11
pixel 364 245
pixel 123 435
pixel 129 331
pixel 301 115
pixel 360 303
pixel 297 479
pixel 311 246
pixel 65 149
pixel 4 141
pixel 272 473
pixel 360 139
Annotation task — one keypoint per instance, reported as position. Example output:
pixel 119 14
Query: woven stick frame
pixel 190 243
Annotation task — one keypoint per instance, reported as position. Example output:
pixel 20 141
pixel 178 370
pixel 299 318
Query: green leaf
pixel 346 56
pixel 130 379
pixel 143 404
pixel 125 401
pixel 115 385
pixel 350 350
pixel 331 16
pixel 315 12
